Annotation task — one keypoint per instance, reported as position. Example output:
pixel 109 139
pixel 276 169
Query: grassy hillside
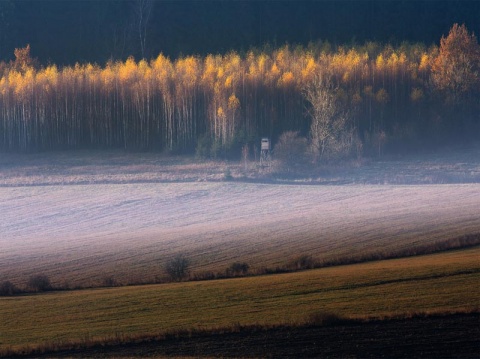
pixel 435 283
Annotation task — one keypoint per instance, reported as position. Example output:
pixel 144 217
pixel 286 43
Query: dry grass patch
pixel 440 282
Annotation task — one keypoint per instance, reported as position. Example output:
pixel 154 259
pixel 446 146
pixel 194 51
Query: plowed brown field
pixel 453 336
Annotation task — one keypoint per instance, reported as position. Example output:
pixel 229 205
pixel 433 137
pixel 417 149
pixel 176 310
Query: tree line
pixel 389 98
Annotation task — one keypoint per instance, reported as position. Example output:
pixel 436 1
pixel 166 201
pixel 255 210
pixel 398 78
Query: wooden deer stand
pixel 265 152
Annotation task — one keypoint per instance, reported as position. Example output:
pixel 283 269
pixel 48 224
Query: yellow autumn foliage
pixel 177 98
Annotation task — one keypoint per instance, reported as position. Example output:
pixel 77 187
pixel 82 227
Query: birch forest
pixel 395 96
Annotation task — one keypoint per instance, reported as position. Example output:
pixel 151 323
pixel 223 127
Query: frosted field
pixel 81 233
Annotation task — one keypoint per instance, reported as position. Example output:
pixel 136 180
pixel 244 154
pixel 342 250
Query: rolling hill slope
pixel 81 233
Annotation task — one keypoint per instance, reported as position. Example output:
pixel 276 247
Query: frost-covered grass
pixel 80 217
pixel 79 234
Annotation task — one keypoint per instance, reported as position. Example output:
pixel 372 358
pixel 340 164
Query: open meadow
pixel 80 219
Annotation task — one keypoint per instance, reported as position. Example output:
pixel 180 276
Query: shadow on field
pixel 440 336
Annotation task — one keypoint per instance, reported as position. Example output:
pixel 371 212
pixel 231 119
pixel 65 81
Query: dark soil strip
pixel 449 336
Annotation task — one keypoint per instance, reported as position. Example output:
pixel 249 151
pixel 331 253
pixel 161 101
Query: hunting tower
pixel 265 151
